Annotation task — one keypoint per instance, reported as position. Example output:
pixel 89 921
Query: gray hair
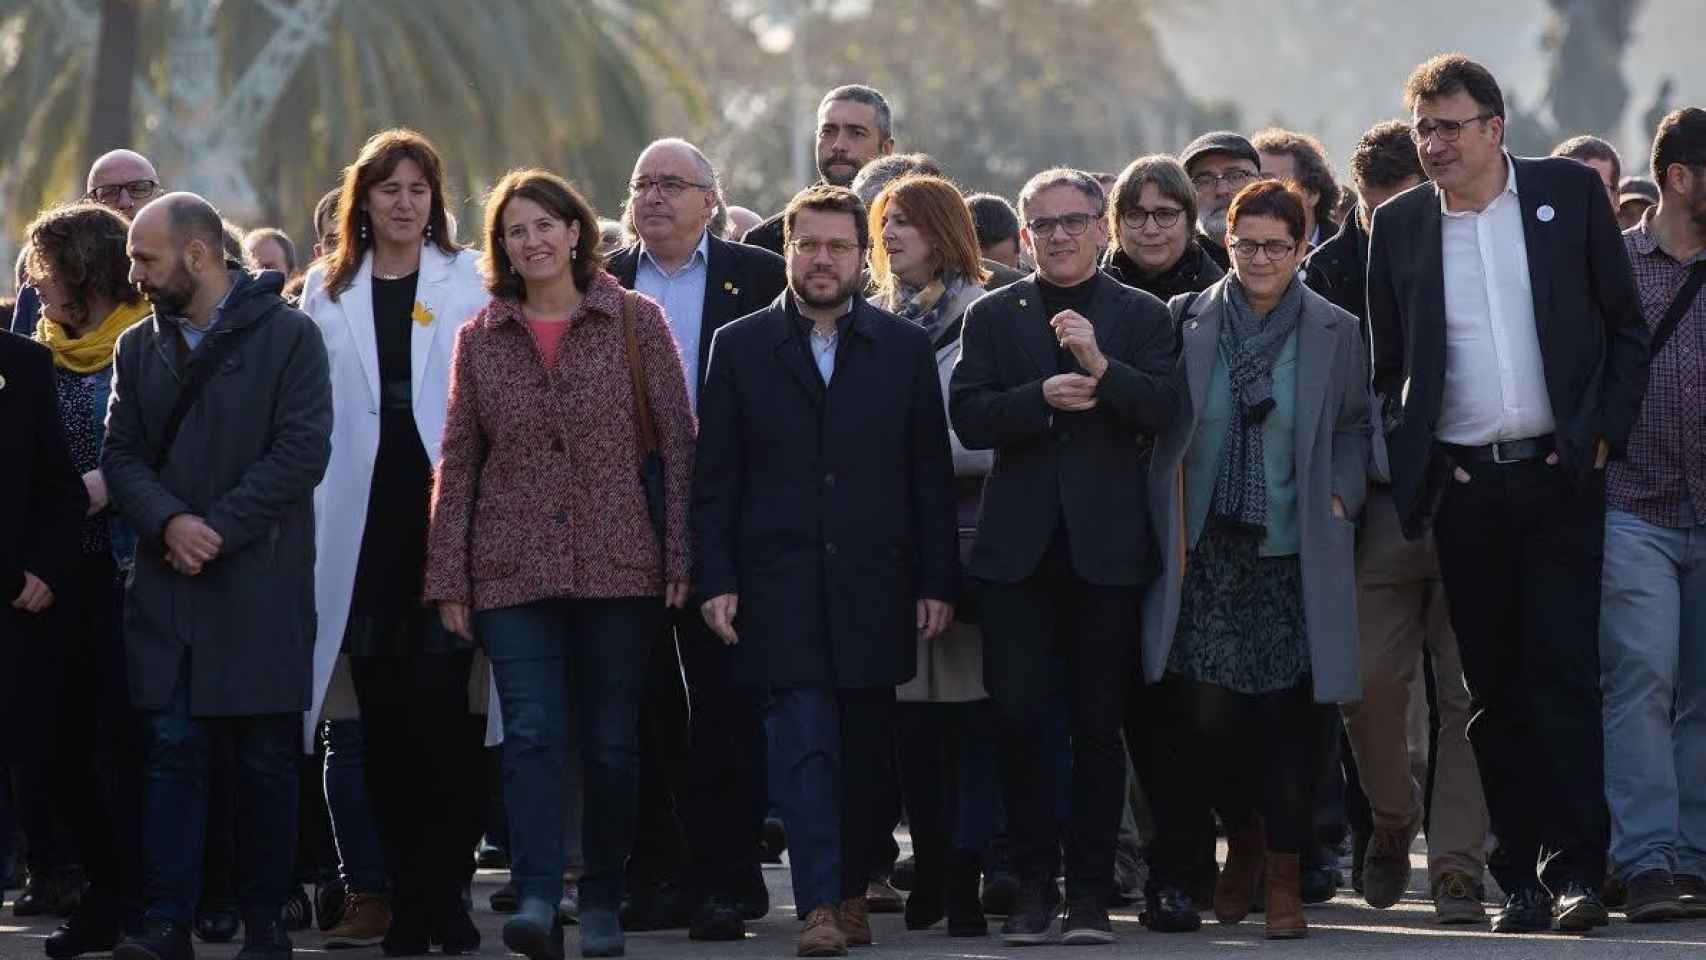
pixel 1083 182
pixel 719 218
pixel 870 97
pixel 879 173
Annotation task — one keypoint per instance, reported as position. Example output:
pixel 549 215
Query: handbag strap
pixel 197 373
pixel 1678 308
pixel 637 378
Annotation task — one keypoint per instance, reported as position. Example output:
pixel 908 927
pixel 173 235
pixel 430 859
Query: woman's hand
pixel 675 594
pixel 95 483
pixel 454 616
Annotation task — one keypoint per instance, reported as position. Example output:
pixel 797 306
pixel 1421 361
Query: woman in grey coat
pixel 924 267
pixel 1253 620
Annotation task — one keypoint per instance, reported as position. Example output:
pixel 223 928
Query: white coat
pixel 451 290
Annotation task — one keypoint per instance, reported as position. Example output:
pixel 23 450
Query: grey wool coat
pixel 1332 444
pixel 246 460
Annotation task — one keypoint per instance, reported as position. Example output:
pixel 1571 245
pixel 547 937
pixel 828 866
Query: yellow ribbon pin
pixel 421 314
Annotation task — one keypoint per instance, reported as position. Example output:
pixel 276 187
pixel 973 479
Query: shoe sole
pixel 1514 926
pixel 1087 938
pixel 1459 916
pixel 1655 912
pixel 1582 919
pixel 353 943
pixel 1029 939
pixel 1285 934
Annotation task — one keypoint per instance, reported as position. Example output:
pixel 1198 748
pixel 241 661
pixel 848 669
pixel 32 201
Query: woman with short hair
pixel 1152 217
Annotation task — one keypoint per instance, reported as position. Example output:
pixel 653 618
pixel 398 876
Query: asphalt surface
pixel 1344 928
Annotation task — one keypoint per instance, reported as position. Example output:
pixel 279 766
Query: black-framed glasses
pixel 809 247
pixel 1073 223
pixel 139 191
pixel 670 187
pixel 1446 130
pixel 1237 179
pixel 1164 217
pixel 1275 249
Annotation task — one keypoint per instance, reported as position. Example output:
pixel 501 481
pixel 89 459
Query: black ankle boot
pixel 924 905
pixel 964 907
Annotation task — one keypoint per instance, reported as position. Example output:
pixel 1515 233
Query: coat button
pixel 829 479
pixel 829 548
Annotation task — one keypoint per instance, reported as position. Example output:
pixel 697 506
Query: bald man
pixel 219 614
pixel 122 180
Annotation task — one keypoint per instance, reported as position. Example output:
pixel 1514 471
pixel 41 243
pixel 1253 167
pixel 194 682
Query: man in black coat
pixel 854 127
pixel 1065 375
pixel 825 539
pixel 1511 351
pixel 219 613
pixel 708 774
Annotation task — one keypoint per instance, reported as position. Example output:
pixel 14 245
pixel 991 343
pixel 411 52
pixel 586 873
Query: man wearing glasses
pixel 825 541
pixel 1065 374
pixel 713 767
pixel 1511 351
pixel 1219 164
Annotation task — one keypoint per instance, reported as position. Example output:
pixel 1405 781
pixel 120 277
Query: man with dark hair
pixel 1219 164
pixel 1402 614
pixel 708 774
pixel 824 531
pixel 1651 632
pixel 1302 159
pixel 997 228
pixel 1065 374
pixel 1511 354
pixel 219 428
pixel 326 223
pixel 854 127
pixel 881 172
pixel 1635 196
pixel 1599 155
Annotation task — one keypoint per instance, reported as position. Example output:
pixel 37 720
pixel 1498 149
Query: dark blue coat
pixel 829 511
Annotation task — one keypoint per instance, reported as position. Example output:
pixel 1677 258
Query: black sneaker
pixel 159 940
pixel 298 910
pixel 1086 925
pixel 1171 910
pixel 1580 909
pixel 1032 922
pixel 1525 911
pixel 1652 897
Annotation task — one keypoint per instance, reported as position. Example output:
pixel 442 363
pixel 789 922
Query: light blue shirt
pixel 193 335
pixel 823 352
pixel 681 293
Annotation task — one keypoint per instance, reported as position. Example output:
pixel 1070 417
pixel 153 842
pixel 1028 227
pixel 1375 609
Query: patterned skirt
pixel 1240 616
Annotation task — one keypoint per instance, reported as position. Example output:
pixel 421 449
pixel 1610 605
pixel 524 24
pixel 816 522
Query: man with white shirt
pixel 1511 350
pixel 713 768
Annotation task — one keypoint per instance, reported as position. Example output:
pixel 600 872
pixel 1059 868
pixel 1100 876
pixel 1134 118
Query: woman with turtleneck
pixel 1153 215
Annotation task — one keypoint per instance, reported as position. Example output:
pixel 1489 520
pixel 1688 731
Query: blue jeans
pixel 1652 642
pixel 174 806
pixel 361 861
pixel 544 656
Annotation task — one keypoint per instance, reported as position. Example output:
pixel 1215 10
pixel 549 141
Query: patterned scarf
pixel 927 306
pixel 1251 344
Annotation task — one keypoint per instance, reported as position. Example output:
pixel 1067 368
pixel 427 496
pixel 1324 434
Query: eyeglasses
pixel 1073 223
pixel 1236 179
pixel 1447 130
pixel 1276 249
pixel 139 190
pixel 809 247
pixel 670 187
pixel 1164 217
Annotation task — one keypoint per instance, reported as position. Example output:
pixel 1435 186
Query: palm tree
pixel 259 103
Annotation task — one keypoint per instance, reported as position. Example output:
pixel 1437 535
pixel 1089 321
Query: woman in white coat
pixel 388 300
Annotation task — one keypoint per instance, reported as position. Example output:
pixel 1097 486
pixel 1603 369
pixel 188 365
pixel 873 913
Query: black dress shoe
pixel 717 919
pixel 1525 911
pixel 217 922
pixel 965 912
pixel 91 928
pixel 1580 909
pixel 159 940
pixel 1171 910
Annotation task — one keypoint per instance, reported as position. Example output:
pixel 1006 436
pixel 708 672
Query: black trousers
pixel 1057 633
pixel 423 768
pixel 1182 854
pixel 703 793
pixel 1520 550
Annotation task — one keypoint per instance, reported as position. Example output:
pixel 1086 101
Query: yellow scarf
pixel 93 350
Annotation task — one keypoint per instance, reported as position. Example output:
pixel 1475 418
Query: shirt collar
pixel 1510 188
pixel 805 326
pixel 701 254
pixel 1645 240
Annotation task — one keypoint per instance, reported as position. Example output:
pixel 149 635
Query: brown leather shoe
pixel 1284 899
pixel 822 936
pixel 855 916
pixel 1235 891
pixel 366 921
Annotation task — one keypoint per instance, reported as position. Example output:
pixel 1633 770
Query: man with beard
pixel 1219 164
pixel 825 540
pixel 854 127
pixel 218 430
pixel 712 768
pixel 1652 622
pixel 1066 374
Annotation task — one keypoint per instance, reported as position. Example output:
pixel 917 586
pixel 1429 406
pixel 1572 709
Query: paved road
pixel 1342 929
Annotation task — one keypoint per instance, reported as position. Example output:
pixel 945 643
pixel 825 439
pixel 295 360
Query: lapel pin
pixel 421 314
pixel 1193 324
pixel 1023 302
pixel 1544 213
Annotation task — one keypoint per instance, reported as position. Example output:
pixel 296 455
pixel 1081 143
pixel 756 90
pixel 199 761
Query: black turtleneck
pixel 1076 298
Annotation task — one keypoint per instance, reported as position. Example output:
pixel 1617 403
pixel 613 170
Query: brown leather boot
pixel 855 917
pixel 1235 891
pixel 1285 900
pixel 822 936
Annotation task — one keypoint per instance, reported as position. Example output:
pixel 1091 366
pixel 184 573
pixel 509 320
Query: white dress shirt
pixel 681 293
pixel 1495 379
